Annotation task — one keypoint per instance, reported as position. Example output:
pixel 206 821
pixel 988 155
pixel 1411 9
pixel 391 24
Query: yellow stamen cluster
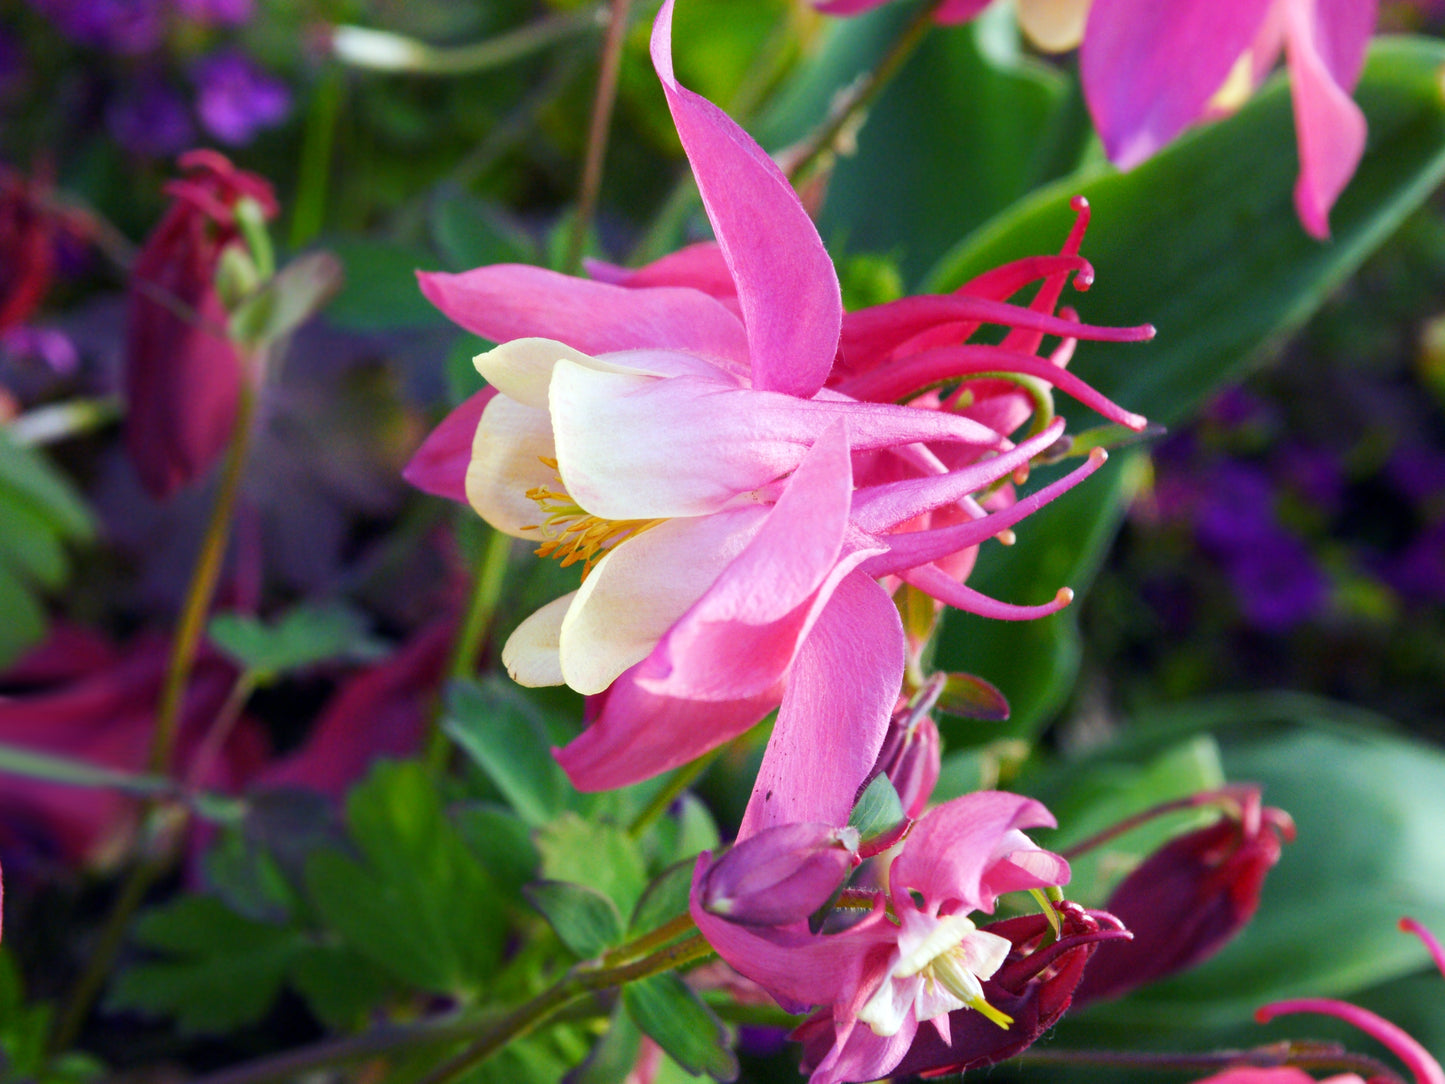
pixel 570 533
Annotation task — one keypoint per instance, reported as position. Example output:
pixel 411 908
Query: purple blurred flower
pixel 151 119
pixel 1315 475
pixel 117 26
pixel 1417 470
pixel 1277 583
pixel 235 99
pixel 1419 573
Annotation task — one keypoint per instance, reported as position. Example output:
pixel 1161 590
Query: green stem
pixel 202 589
pixel 577 983
pixel 308 212
pixel 489 1035
pixel 597 133
pixel 472 636
pixel 648 943
pixel 681 779
pixel 807 155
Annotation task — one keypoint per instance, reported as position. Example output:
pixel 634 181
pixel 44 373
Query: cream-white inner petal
pixel 531 654
pixel 507 453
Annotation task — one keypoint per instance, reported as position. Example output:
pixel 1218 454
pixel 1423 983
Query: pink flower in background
pixel 1150 70
pixel 182 374
pixel 675 433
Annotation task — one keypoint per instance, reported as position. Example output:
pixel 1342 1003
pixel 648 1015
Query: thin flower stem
pixel 1305 1054
pixel 804 157
pixel 202 589
pixel 220 730
pixel 663 935
pixel 472 636
pixel 1128 824
pixel 576 984
pixel 680 780
pixel 489 1035
pixel 597 133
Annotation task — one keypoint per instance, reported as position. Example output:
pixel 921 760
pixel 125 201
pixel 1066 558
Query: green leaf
pixel 503 734
pixel 613 1057
pixel 594 853
pixel 380 291
pixel 418 904
pixel 288 299
pixel 878 811
pixel 686 1029
pixel 665 899
pixel 1203 242
pixel 585 919
pixel 342 987
pixel 1034 663
pixel 219 972
pixel 471 233
pixel 300 638
pixel 502 841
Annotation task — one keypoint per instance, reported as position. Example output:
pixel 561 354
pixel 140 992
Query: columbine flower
pixel 676 434
pixel 182 373
pixel 918 960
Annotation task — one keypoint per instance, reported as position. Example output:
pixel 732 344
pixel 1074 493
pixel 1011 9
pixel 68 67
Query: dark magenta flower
pixel 27 248
pixel 182 374
pixel 1189 898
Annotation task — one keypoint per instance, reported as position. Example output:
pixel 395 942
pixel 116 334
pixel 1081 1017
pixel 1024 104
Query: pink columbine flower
pixel 1423 1067
pixel 676 434
pixel 916 956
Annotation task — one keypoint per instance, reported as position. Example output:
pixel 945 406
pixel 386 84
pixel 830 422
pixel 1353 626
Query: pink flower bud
pixel 781 875
pixel 1190 897
pixel 182 373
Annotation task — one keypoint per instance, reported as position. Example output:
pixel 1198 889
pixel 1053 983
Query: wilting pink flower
pixel 675 432
pixel 1151 70
pixel 1422 1065
pixel 1188 899
pixel 182 373
pixel 80 698
pixel 883 977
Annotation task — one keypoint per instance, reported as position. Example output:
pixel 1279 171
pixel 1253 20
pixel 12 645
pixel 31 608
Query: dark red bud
pixel 182 373
pixel 27 248
pixel 1189 898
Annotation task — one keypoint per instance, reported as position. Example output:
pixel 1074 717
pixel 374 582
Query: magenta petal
pixel 950 850
pixel 835 712
pixel 1149 69
pixel 740 637
pixel 514 301
pixel 439 466
pixel 933 581
pixel 1325 45
pixel 1404 1046
pixel 785 281
pixel 959 11
pixel 700 266
pixel 638 734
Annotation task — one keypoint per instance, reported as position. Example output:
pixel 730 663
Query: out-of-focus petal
pixel 788 290
pixel 1055 26
pixel 1149 69
pixel 440 465
pixel 514 301
pixel 835 711
pixel 1325 46
pixel 532 654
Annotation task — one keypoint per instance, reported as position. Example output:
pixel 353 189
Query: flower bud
pixel 1189 898
pixel 911 758
pixel 781 875
pixel 27 248
pixel 182 373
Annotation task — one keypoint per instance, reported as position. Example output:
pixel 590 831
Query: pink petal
pixel 847 7
pixel 1149 69
pixel 636 447
pixel 514 301
pixel 786 285
pixel 638 734
pixel 1325 46
pixel 951 849
pixel 1404 1046
pixel 959 11
pixel 700 266
pixel 740 637
pixel 835 711
pixel 933 581
pixel 439 466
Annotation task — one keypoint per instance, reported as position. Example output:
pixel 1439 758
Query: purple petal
pixel 786 284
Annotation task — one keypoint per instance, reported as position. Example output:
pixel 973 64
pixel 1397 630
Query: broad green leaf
pixel 300 638
pixel 613 1057
pixel 1033 663
pixel 595 853
pixel 504 735
pixel 219 971
pixel 971 126
pixel 673 1017
pixel 878 811
pixel 585 919
pixel 1202 240
pixel 380 292
pixel 341 986
pixel 665 899
pixel 501 840
pixel 418 904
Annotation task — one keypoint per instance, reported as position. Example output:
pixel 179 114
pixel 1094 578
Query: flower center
pixel 570 533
